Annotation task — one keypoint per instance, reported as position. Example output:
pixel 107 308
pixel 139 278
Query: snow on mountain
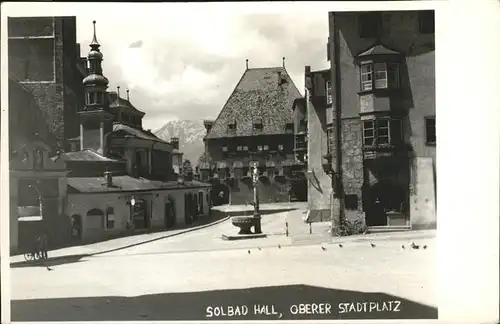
pixel 190 134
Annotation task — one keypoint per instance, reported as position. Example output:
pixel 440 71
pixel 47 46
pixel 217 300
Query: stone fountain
pixel 245 223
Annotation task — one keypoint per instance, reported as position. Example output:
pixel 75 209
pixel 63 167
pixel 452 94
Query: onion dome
pixel 96 79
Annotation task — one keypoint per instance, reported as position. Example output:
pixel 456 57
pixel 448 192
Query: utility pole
pixel 337 197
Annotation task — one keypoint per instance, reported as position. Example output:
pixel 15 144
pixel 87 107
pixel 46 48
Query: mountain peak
pixel 190 134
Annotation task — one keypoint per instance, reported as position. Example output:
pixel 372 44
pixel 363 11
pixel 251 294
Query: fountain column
pixel 256 213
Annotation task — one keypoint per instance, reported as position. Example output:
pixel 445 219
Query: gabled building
pixel 255 127
pixel 371 121
pixel 121 178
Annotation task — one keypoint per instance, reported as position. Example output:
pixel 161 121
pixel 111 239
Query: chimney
pixel 175 142
pixel 246 63
pixel 208 125
pixel 283 61
pixel 118 91
pixel 108 176
pixel 128 95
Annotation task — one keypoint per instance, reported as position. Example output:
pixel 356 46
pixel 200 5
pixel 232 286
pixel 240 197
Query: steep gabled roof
pixel 120 102
pixel 136 132
pixel 259 95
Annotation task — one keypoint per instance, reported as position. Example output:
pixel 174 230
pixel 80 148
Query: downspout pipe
pixel 338 214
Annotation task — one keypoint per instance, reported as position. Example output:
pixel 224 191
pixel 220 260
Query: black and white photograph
pixel 182 162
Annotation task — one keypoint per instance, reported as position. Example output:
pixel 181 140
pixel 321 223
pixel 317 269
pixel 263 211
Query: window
pixel 239 148
pixel 232 125
pixel 379 75
pixel 257 124
pixel 329 140
pixel 383 131
pixel 366 77
pixel 280 147
pixel 430 130
pixel 224 148
pixel 200 202
pixel 259 147
pixel 329 97
pixel 368 133
pixel 382 126
pixel 110 217
pixel 245 148
pixel 369 24
pixel 266 147
pixel 426 21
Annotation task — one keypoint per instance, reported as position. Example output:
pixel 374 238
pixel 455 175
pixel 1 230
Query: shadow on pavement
pixel 275 303
pixel 50 262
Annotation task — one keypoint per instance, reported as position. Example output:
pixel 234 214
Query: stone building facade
pixel 255 127
pixel 45 57
pixel 37 183
pixel 382 89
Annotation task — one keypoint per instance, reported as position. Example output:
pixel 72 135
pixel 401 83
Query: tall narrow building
pixel 371 120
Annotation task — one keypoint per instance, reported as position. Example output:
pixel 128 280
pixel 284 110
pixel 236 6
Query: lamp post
pixel 256 213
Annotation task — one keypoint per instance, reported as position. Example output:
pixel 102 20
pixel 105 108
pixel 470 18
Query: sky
pixel 184 64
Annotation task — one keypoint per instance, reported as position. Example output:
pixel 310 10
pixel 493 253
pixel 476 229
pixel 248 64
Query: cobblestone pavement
pixel 201 261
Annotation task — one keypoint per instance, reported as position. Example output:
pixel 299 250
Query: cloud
pixel 135 44
pixel 185 68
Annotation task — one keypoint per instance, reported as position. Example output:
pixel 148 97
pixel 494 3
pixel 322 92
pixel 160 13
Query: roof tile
pixel 259 95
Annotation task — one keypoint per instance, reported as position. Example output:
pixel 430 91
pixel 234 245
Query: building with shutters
pixel 371 121
pixel 255 127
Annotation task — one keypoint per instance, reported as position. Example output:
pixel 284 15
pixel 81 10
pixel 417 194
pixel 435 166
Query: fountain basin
pixel 244 223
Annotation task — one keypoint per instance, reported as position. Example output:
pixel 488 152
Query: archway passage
pixel 380 198
pixel 220 194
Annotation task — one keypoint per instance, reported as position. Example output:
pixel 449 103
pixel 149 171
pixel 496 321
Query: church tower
pixel 95 119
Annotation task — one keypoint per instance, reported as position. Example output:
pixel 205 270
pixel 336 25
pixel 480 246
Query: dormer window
pixel 266 147
pixel 280 147
pixel 257 123
pixel 224 148
pixel 239 148
pixel 329 97
pixel 245 148
pixel 259 147
pixel 232 125
pixel 289 127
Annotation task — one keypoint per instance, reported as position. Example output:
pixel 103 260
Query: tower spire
pixel 94 44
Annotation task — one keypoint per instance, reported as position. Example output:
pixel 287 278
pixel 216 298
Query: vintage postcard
pixel 221 162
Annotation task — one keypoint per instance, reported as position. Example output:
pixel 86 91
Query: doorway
pixel 140 214
pixel 382 197
pixel 169 215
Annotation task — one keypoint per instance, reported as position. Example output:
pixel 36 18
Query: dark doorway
pixel 298 190
pixel 381 198
pixel 169 215
pixel 140 214
pixel 188 206
pixel 220 195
